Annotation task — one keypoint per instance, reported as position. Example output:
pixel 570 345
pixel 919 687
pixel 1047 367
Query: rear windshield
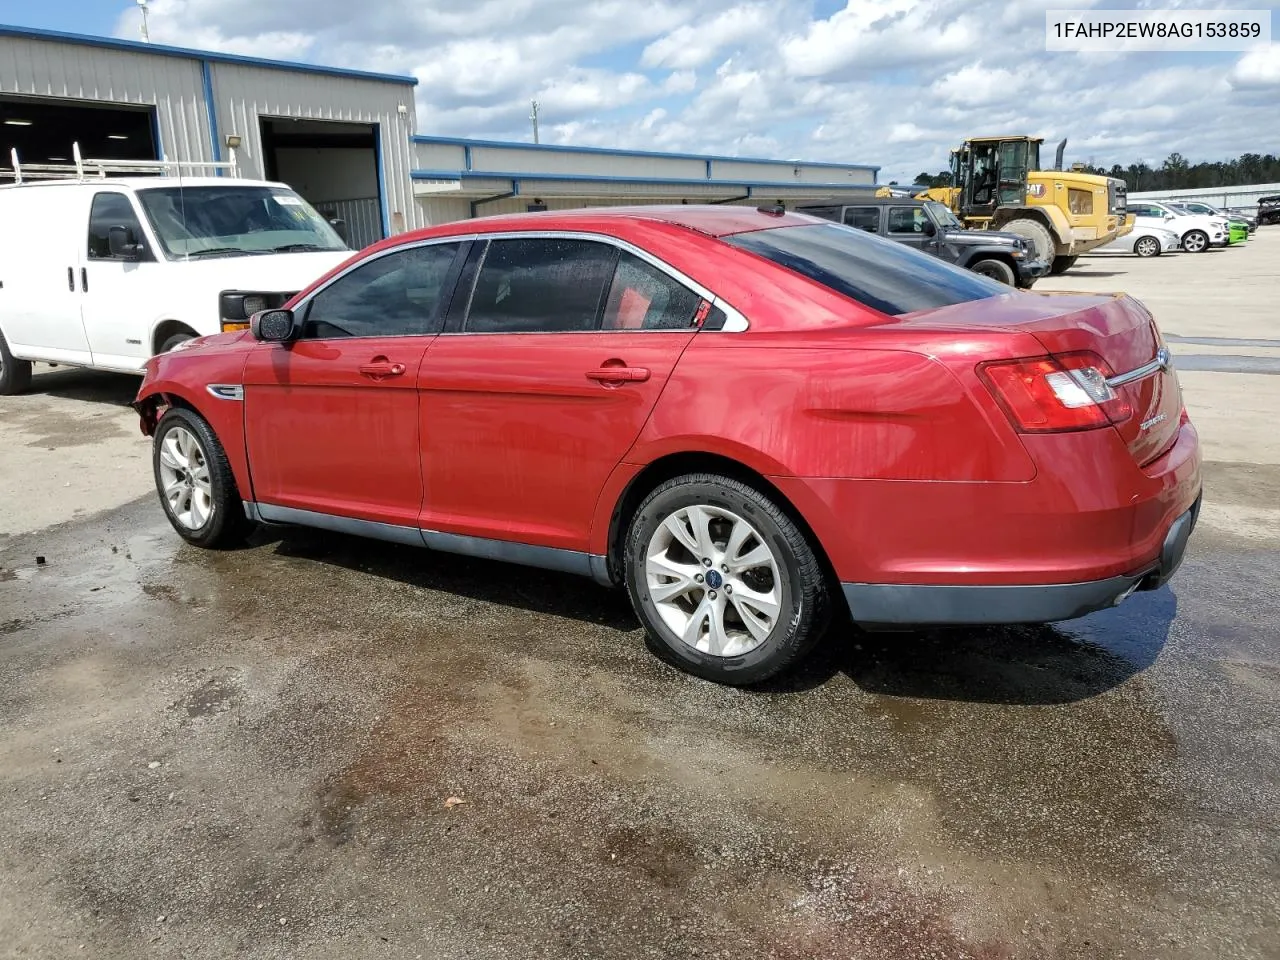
pixel 882 274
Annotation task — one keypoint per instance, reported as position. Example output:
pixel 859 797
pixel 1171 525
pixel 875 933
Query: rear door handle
pixel 379 368
pixel 71 279
pixel 84 280
pixel 619 374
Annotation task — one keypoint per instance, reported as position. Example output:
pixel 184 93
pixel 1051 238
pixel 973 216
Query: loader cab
pixel 993 173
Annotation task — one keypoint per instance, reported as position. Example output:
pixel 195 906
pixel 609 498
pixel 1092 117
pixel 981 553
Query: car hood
pixel 263 273
pixel 983 237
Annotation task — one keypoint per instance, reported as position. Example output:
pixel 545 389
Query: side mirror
pixel 272 326
pixel 929 229
pixel 120 240
pixel 340 228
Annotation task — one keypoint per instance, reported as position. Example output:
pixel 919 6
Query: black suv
pixel 1269 209
pixel 929 226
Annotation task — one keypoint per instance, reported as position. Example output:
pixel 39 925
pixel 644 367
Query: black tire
pixel 226 525
pixel 1199 241
pixel 996 270
pixel 804 607
pixel 172 341
pixel 1061 265
pixel 1036 234
pixel 15 375
pixel 1147 247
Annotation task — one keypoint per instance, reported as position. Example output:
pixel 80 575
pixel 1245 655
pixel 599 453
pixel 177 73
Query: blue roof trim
pixel 649 181
pixel 111 43
pixel 613 152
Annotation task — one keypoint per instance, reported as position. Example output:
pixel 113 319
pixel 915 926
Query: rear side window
pixel 863 218
pixel 886 276
pixel 642 297
pixel 541 285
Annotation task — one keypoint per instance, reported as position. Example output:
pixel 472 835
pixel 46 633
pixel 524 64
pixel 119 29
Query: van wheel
pixel 15 375
pixel 174 340
pixel 727 584
pixel 196 486
pixel 996 270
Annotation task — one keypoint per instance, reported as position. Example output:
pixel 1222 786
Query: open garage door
pixel 334 166
pixel 43 130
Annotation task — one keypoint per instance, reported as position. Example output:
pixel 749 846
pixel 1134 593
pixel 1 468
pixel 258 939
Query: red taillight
pixel 1054 394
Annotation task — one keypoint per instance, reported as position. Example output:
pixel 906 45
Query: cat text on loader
pixel 998 185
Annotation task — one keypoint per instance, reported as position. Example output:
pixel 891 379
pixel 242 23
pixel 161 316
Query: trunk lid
pixel 1116 327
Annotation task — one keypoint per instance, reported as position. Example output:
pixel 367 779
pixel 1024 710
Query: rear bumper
pixel 901 604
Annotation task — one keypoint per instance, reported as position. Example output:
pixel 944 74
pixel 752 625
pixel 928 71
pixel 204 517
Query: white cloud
pixel 1258 69
pixel 890 82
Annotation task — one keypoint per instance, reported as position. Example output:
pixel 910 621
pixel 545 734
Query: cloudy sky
pixel 889 82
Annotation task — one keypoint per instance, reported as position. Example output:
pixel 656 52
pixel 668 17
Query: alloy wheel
pixel 1147 247
pixel 714 580
pixel 1193 242
pixel 185 480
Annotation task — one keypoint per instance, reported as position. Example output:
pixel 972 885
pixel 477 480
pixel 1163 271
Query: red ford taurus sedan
pixel 747 417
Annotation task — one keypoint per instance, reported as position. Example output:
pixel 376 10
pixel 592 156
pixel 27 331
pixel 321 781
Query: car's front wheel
pixel 724 580
pixel 1147 247
pixel 195 482
pixel 996 270
pixel 1195 241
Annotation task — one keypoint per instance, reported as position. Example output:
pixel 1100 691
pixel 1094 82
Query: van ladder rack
pixel 82 168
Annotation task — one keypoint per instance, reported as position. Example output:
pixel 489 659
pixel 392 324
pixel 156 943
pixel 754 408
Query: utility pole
pixel 146 36
pixel 534 117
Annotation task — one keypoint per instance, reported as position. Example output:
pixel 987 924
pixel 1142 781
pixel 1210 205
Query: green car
pixel 1237 232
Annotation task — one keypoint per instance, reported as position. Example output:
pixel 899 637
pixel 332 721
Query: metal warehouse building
pixel 344 139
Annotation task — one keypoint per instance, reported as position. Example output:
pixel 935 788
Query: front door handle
pixel 84 280
pixel 71 279
pixel 618 374
pixel 379 368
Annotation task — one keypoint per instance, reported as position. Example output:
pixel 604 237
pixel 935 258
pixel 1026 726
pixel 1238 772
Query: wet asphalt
pixel 259 753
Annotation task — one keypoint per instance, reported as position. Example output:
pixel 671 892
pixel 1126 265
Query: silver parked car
pixel 1144 241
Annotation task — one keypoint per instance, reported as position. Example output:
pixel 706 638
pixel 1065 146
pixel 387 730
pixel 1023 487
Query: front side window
pixel 863 218
pixel 541 285
pixel 906 220
pixel 400 294
pixel 642 297
pixel 235 220
pixel 111 210
pixel 943 216
pixel 891 277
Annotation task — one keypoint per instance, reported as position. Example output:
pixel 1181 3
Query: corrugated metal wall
pixel 1245 195
pixel 172 85
pixel 245 93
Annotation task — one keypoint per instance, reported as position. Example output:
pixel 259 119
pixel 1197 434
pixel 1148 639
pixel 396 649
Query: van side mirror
pixel 121 242
pixel 272 326
pixel 929 229
pixel 340 228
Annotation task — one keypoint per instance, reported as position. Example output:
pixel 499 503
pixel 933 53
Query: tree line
pixel 1175 173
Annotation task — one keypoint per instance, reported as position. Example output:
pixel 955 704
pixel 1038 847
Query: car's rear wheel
pixel 724 580
pixel 15 375
pixel 1195 241
pixel 996 270
pixel 1147 247
pixel 195 482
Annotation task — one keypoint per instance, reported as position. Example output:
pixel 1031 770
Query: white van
pixel 104 271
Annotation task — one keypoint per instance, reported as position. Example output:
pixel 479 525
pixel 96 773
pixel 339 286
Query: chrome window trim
pixel 735 321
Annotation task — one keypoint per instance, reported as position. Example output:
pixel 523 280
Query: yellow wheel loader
pixel 998 185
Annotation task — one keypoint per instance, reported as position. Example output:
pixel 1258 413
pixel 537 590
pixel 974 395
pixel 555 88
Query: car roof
pixel 710 219
pixel 142 183
pixel 862 202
